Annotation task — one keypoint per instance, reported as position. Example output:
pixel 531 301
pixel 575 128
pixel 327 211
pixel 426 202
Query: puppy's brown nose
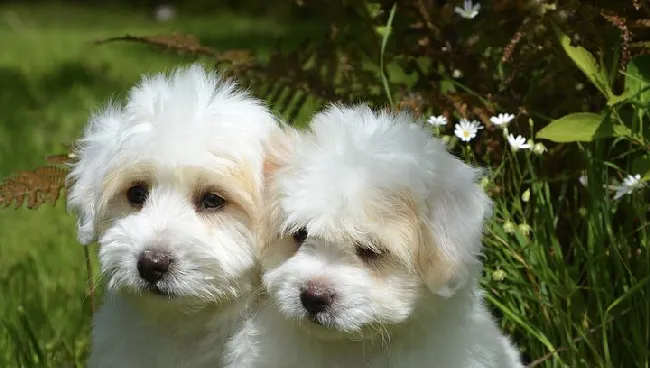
pixel 153 264
pixel 316 297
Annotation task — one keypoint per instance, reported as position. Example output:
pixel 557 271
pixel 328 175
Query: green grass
pixel 51 78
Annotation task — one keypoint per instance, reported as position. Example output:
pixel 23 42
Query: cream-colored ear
pixel 278 150
pixel 93 151
pixel 452 237
pixel 80 201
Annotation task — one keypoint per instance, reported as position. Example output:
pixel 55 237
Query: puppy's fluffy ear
pixel 278 150
pixel 456 214
pixel 93 152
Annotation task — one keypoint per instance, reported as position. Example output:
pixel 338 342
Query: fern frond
pixel 188 44
pixel 33 188
pixel 176 42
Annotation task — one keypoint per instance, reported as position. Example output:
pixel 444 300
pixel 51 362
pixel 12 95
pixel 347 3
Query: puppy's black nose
pixel 153 264
pixel 316 297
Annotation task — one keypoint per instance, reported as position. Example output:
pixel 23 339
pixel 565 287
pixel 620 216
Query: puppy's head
pixel 170 186
pixel 367 214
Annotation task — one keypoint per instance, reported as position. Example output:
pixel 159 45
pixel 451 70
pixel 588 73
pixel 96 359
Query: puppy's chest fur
pixel 449 340
pixel 124 337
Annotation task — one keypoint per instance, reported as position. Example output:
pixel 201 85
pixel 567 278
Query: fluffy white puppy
pixel 170 185
pixel 372 254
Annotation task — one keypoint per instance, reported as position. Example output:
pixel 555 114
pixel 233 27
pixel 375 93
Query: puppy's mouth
pixel 159 289
pixel 321 319
pixel 314 319
pixel 155 289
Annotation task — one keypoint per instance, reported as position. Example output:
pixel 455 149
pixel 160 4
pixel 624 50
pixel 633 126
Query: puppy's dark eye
pixel 367 254
pixel 300 235
pixel 211 202
pixel 137 194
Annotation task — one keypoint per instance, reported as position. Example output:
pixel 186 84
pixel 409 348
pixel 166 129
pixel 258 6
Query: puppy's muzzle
pixel 316 297
pixel 154 264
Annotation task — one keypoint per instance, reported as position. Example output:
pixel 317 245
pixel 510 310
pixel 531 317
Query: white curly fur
pixel 181 134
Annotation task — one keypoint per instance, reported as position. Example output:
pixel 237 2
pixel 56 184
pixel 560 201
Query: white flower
pixel 630 183
pixel 517 143
pixel 437 120
pixel 466 130
pixel 457 73
pixel 509 227
pixel 469 10
pixel 502 119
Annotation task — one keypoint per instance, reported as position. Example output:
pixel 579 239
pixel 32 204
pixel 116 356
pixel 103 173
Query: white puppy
pixel 170 185
pixel 372 259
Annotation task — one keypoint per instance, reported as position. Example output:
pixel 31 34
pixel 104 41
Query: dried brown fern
pixel 626 36
pixel 187 44
pixel 33 188
pixel 41 185
pixel 180 43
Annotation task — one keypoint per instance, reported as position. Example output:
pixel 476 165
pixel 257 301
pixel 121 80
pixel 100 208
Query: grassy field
pixel 51 78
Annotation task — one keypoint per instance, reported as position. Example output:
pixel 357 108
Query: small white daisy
pixel 469 9
pixel 466 130
pixel 517 143
pixel 630 183
pixel 502 119
pixel 440 120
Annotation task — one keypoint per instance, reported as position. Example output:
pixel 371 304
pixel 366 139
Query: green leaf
pixel 613 100
pixel 397 75
pixel 586 62
pixel 637 78
pixel 583 127
pixel 384 41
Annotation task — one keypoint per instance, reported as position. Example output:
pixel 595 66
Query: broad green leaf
pixel 583 127
pixel 637 78
pixel 586 62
